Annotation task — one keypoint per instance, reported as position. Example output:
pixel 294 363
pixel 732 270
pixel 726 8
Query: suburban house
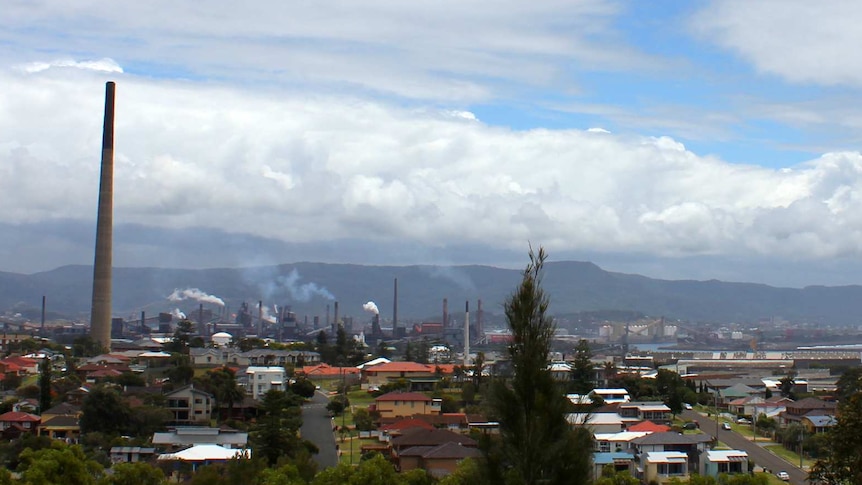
pixel 598 422
pixel 405 404
pixel 620 461
pixel 15 423
pixel 612 442
pixel 692 445
pixel 810 406
pixel 439 460
pixel 131 454
pixel 184 436
pixel 380 374
pixel 753 406
pixel 270 357
pixel 264 379
pixel 327 372
pixel 657 412
pixel 818 424
pixel 715 462
pixel 610 396
pixel 61 422
pixel 189 405
pixel 428 437
pixel 663 466
pixel 206 454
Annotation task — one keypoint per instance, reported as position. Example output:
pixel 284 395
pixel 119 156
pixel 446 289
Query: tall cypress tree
pixel 44 385
pixel 536 444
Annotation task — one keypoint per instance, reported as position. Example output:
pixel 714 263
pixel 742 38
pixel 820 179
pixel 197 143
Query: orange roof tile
pixel 402 367
pixel 649 426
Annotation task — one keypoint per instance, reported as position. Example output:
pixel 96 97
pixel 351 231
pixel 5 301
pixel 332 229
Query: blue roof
pixel 610 457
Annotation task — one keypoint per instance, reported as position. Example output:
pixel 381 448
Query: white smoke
pixel 371 307
pixel 300 292
pixel 195 294
pixel 266 316
pixel 178 314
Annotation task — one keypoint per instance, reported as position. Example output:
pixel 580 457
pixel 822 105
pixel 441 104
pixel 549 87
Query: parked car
pixel 687 406
pixel 743 421
pixel 725 426
pixel 783 476
pixel 690 425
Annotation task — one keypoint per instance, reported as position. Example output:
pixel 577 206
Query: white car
pixel 783 476
pixel 687 406
pixel 725 426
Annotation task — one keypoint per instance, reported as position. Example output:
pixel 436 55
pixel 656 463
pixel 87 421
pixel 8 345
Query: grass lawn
pixel 360 398
pixel 348 454
pixel 789 456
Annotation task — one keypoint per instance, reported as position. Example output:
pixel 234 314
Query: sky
pixel 679 140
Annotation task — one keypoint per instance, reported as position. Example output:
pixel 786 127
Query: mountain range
pixel 308 288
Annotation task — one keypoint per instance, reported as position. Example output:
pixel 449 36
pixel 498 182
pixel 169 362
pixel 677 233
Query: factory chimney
pixel 42 328
pixel 395 311
pixel 445 313
pixel 467 333
pixel 202 328
pixel 259 318
pixel 143 320
pixel 335 320
pixel 480 322
pixel 100 312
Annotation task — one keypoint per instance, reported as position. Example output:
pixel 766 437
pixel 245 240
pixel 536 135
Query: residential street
pixel 317 428
pixel 756 453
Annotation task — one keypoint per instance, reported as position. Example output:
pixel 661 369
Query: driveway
pixel 317 428
pixel 756 453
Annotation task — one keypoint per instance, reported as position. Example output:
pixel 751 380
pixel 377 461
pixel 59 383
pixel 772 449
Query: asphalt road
pixel 756 453
pixel 317 428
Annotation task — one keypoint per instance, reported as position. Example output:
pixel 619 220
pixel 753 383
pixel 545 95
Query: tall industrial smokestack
pixel 42 328
pixel 259 318
pixel 480 322
pixel 445 313
pixel 143 320
pixel 202 328
pixel 467 333
pixel 100 312
pixel 395 310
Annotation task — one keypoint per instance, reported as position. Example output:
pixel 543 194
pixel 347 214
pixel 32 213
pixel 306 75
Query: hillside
pixel 309 287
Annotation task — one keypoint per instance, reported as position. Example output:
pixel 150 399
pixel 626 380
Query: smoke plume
pixel 178 314
pixel 267 317
pixel 371 307
pixel 301 292
pixel 195 294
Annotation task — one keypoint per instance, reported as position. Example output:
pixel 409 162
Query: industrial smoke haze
pixel 298 292
pixel 178 314
pixel 371 307
pixel 195 294
pixel 266 315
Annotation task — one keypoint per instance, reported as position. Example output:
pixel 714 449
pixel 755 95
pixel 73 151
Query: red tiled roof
pixel 328 370
pixel 649 426
pixel 19 417
pixel 402 367
pixel 407 424
pixel 403 396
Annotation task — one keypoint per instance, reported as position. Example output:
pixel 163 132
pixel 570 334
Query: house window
pixel 671 469
pixel 209 359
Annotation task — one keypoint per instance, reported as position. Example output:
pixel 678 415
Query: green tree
pixel 582 369
pixel 104 411
pixel 138 473
pixel 276 433
pixel 841 462
pixel 363 420
pixel 374 471
pixel 611 477
pixel 44 385
pixel 849 383
pixel 536 444
pixel 468 472
pixel 58 464
pixel 303 387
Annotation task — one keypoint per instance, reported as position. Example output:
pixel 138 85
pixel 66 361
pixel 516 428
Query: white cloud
pixel 303 168
pixel 799 40
pixel 443 50
pixel 102 65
